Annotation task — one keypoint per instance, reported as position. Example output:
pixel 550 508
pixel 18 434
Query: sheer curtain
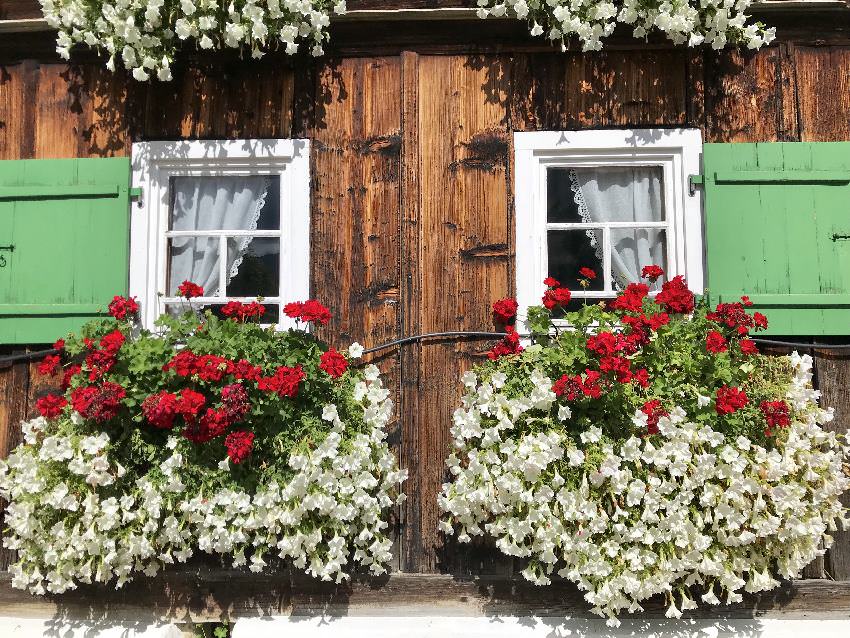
pixel 619 194
pixel 212 203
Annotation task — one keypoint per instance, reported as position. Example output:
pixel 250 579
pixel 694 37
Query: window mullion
pixel 606 257
pixel 222 265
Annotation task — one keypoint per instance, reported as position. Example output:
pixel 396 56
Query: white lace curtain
pixel 212 203
pixel 619 194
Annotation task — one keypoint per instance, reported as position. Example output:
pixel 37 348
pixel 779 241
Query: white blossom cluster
pixel 644 516
pixel 76 516
pixel 144 34
pixel 695 22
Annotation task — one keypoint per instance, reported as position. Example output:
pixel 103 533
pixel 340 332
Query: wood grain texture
pixel 14 390
pixel 823 92
pixel 743 97
pixel 464 254
pixel 206 596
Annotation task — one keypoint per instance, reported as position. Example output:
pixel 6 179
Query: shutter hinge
pixel 136 193
pixel 693 182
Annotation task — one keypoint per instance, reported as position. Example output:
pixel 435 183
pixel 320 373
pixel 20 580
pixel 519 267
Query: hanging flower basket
pixel 647 448
pixel 215 435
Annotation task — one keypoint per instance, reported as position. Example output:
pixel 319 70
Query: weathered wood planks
pixel 412 181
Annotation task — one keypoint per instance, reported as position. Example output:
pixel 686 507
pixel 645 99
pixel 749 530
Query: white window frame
pixel 676 151
pixel 154 163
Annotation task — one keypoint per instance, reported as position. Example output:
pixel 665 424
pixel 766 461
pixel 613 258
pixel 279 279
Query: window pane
pixel 571 250
pixel 561 207
pixel 225 203
pixel 195 259
pixel 254 266
pixel 605 194
pixel 634 248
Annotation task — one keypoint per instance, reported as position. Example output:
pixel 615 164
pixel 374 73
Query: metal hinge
pixel 136 193
pixel 693 182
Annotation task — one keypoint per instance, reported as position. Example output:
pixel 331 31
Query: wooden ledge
pixel 212 595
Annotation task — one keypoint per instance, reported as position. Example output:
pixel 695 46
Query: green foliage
pixel 280 424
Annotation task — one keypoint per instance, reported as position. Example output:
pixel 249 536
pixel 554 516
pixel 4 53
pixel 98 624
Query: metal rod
pixel 30 356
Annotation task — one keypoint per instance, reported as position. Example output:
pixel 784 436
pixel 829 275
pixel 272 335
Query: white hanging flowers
pixel 692 22
pixel 145 34
pixel 631 519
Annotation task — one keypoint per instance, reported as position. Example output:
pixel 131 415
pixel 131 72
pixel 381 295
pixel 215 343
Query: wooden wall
pixel 412 178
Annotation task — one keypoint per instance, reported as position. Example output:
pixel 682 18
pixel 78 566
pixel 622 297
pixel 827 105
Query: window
pixel 614 201
pixel 231 216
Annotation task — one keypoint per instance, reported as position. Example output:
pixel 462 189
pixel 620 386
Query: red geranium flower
pixel 244 369
pixel 239 445
pixel 715 343
pixel 508 345
pixel 285 381
pixel 776 414
pixel 51 405
pixel 556 297
pixel 551 282
pixel 730 399
pixel 504 310
pixel 641 378
pixel 748 347
pixel 760 321
pixel 587 273
pixel 631 299
pixel 100 403
pixel 69 374
pixel 123 307
pixel 333 363
pixel 59 345
pixel 652 272
pixel 160 409
pixel 619 366
pixel 675 296
pixel 49 365
pixel 189 289
pixel 573 387
pixel 190 404
pixel 653 411
pixel 234 401
pixel 310 310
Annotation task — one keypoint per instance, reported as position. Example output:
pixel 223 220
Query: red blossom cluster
pixel 101 359
pixel 734 316
pixel 715 342
pixel 308 311
pixel 239 445
pixel 587 273
pixel 631 299
pixel 51 406
pixel 508 345
pixel 652 273
pixel 333 363
pixel 571 387
pixel 776 414
pixel 50 365
pixel 285 381
pixel 675 296
pixel 555 295
pixel 190 289
pixel 99 402
pixel 504 311
pixel 123 307
pixel 239 311
pixel 730 399
pixel 653 411
pixel 613 351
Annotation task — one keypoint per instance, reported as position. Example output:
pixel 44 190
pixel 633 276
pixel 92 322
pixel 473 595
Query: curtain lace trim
pixel 244 242
pixel 592 234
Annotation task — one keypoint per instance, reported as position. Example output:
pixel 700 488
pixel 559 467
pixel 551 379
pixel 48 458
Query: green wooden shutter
pixel 777 228
pixel 64 244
